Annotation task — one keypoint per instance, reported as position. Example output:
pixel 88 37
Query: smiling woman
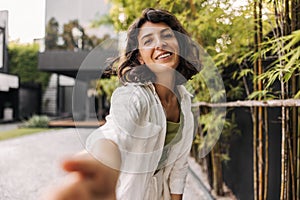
pixel 146 140
pixel 158 45
pixel 162 27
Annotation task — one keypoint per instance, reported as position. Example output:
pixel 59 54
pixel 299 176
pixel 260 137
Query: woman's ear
pixel 140 59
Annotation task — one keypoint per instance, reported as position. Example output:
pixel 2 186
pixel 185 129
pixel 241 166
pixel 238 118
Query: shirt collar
pixel 181 89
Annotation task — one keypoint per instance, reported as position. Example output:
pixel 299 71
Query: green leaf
pixel 297 96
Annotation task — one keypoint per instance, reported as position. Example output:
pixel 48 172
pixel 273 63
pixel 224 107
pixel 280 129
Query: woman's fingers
pixel 84 163
pixel 94 178
pixel 98 179
pixel 72 188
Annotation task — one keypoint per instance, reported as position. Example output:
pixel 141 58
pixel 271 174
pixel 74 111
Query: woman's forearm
pixel 176 196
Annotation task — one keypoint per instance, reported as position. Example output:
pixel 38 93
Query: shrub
pixel 37 122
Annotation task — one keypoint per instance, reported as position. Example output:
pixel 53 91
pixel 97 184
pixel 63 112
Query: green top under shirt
pixel 173 135
pixel 172 129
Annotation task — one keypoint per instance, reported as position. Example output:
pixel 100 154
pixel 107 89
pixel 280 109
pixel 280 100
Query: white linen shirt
pixel 137 124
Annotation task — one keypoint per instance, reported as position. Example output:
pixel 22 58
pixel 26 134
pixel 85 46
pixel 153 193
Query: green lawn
pixel 20 132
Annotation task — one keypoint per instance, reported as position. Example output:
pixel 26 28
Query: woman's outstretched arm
pixel 87 177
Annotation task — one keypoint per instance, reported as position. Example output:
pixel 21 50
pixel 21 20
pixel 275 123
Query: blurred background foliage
pixel 23 62
pixel 65 40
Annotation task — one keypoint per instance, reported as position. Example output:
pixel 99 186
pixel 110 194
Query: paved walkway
pixel 10 126
pixel 29 164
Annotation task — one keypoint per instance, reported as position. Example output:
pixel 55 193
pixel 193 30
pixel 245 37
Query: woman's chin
pixel 162 68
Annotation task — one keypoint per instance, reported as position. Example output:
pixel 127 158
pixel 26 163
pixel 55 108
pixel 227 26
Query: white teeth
pixel 164 55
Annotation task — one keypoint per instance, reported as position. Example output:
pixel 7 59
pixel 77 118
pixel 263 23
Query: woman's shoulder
pixel 127 88
pixel 132 94
pixel 130 86
pixel 131 91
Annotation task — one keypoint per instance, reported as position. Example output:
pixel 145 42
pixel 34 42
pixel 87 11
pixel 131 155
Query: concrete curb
pixel 199 177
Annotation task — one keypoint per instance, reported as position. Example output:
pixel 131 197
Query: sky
pixel 26 19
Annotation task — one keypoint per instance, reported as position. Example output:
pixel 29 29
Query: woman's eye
pixel 168 35
pixel 147 41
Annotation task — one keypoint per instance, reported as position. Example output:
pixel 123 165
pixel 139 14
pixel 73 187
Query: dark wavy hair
pixel 131 70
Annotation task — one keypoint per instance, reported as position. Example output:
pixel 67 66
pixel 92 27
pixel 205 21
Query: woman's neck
pixel 165 85
pixel 166 91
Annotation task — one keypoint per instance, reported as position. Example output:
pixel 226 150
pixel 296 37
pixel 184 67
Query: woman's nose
pixel 160 43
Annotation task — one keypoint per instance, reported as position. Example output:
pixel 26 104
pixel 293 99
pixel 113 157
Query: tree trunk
pixel 260 109
pixel 298 140
pixel 266 154
pixel 283 154
pixel 287 20
pixel 217 170
pixel 295 170
pixel 254 119
pixel 292 170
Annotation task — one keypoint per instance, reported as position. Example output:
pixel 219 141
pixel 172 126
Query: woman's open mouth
pixel 164 55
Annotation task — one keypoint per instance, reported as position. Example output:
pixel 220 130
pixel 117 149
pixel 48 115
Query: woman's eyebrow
pixel 165 29
pixel 147 35
pixel 161 31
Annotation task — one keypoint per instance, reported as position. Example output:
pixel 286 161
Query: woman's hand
pixel 176 196
pixel 88 179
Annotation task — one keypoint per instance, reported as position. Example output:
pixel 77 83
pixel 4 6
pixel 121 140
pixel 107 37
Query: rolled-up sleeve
pixel 178 174
pixel 121 123
pixel 129 127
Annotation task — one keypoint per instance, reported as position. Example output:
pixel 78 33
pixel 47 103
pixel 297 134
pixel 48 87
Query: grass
pixel 4 135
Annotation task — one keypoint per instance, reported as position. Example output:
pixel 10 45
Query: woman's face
pixel 158 47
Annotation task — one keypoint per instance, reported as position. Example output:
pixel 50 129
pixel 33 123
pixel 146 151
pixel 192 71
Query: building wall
pixel 29 100
pixel 50 97
pixel 3 41
pixel 9 99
